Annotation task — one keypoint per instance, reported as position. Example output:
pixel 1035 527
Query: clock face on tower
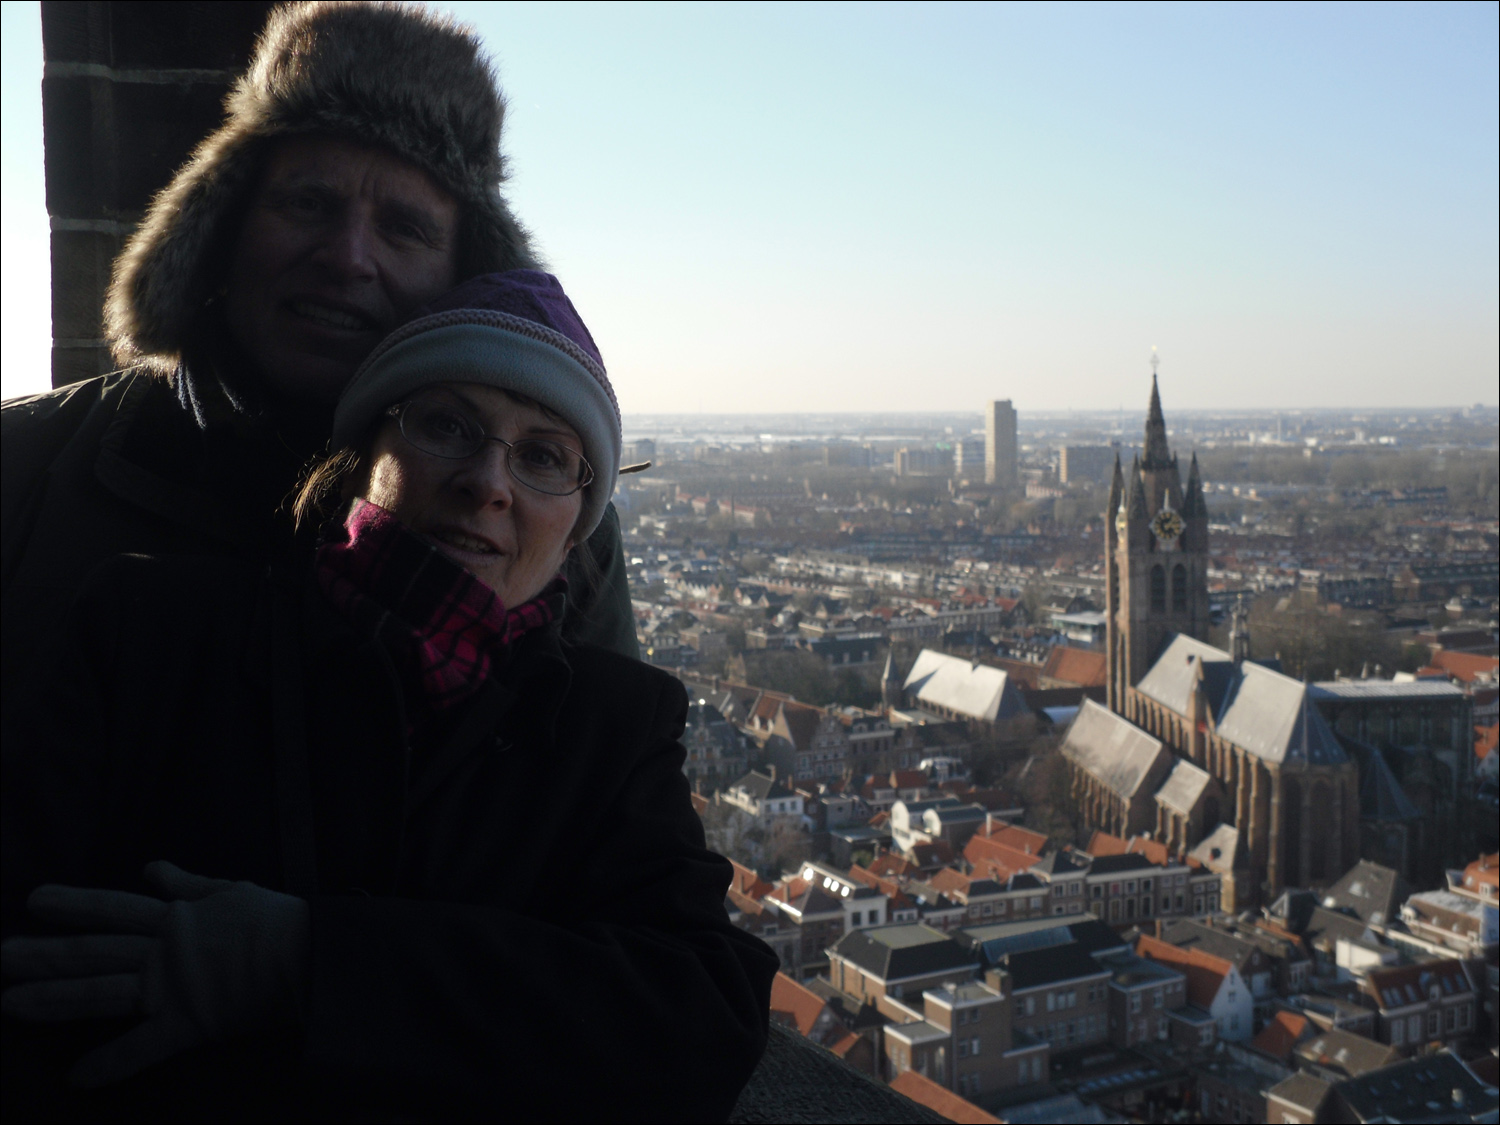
pixel 1167 525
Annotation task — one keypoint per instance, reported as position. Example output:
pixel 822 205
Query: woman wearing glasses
pixel 363 837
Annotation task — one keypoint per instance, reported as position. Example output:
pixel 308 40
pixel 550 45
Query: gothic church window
pixel 1322 799
pixel 1158 588
pixel 1179 588
pixel 1291 816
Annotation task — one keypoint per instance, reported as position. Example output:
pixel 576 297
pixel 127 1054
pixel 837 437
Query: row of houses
pixel 1229 1018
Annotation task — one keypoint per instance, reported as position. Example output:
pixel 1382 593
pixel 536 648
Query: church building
pixel 1198 745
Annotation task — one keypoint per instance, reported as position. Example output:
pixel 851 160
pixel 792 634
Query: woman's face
pixel 511 537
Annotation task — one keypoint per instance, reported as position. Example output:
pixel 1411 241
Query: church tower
pixel 1156 551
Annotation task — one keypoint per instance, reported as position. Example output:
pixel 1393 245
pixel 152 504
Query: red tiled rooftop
pixel 747 905
pixel 1079 666
pixel 789 891
pixel 747 882
pixel 1015 837
pixel 1279 1036
pixel 939 1099
pixel 800 1004
pixel 950 881
pixel 937 852
pixel 1465 666
pixel 1485 869
pixel 1205 973
pixel 989 855
pixel 1102 843
pixel 891 864
pixel 842 1043
pixel 879 882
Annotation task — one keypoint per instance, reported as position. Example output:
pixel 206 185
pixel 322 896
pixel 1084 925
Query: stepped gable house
pixel 1194 737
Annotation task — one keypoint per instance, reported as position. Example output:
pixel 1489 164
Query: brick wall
pixel 128 89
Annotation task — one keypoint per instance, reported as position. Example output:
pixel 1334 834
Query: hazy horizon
pixel 896 208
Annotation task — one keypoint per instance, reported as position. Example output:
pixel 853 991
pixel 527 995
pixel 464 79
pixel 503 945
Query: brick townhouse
pixel 1214 985
pixel 1431 1002
pixel 964 1041
pixel 1128 888
pixel 1052 970
pixel 817 917
pixel 985 900
pixel 897 961
pixel 1142 995
pixel 1256 967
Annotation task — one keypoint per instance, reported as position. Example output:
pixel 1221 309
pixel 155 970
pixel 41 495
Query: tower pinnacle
pixel 890 686
pixel 1156 454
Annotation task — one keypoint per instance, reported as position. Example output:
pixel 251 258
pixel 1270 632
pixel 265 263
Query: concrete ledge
pixel 798 1081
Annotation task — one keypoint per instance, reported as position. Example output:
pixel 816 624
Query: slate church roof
pixel 1172 680
pixel 1273 716
pixel 1114 750
pixel 975 690
pixel 1380 794
pixel 1183 787
pixel 1255 707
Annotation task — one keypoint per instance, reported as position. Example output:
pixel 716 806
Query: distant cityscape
pixel 1099 766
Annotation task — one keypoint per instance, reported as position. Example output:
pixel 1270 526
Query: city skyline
pixel 1298 206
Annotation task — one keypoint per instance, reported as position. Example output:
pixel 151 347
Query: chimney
pixel 999 980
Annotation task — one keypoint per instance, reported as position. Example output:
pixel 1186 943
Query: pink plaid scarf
pixel 401 589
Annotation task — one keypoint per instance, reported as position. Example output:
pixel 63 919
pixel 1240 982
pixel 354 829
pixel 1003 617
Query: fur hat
pixel 390 75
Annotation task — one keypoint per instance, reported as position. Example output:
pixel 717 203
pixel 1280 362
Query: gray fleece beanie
pixel 516 331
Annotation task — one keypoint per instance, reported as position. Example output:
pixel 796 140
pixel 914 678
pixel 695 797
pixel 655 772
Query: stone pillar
pixel 128 89
pixel 1304 860
pixel 1242 798
pixel 1272 850
pixel 1340 859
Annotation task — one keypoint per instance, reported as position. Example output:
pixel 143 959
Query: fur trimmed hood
pixel 391 75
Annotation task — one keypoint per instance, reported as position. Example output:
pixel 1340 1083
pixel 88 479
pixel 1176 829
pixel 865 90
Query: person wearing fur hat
pixel 371 840
pixel 357 175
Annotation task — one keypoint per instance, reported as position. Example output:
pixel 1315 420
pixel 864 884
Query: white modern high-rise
pixel 1000 443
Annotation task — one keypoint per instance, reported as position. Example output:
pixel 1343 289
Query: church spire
pixel 1156 454
pixel 1195 509
pixel 1116 490
pixel 1137 494
pixel 1193 505
pixel 890 687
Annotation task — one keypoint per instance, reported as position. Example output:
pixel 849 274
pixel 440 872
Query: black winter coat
pixel 118 465
pixel 516 920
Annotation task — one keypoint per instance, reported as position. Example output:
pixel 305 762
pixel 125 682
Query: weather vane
pixel 1155 361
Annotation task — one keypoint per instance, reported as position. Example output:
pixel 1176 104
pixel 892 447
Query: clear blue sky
pixel 893 207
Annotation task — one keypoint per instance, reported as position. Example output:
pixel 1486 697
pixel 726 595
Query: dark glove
pixel 219 959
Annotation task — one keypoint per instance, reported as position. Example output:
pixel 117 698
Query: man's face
pixel 341 243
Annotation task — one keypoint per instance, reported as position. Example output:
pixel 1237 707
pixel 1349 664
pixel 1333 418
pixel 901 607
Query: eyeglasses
pixel 446 430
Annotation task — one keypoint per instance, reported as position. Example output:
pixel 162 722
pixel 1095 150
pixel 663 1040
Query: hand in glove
pixel 217 959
